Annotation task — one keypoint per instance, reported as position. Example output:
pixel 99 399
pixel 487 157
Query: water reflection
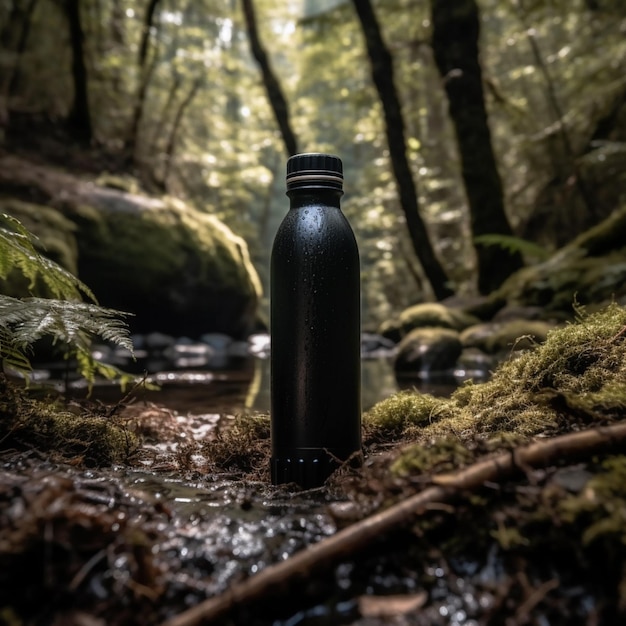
pixel 244 386
pixel 378 381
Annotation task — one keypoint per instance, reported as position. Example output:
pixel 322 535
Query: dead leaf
pixel 389 606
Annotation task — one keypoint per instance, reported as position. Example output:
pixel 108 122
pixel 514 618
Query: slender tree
pixel 274 91
pixel 178 118
pixel 145 74
pixel 80 115
pixel 555 105
pixel 382 75
pixel 19 24
pixel 456 28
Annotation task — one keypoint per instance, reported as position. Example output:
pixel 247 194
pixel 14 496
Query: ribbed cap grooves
pixel 314 169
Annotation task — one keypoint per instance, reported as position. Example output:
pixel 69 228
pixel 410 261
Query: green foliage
pixel 17 250
pixel 514 244
pixel 65 319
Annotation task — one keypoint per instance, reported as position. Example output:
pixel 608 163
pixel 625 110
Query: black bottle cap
pixel 314 169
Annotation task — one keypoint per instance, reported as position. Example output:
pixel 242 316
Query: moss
pixel 120 182
pixel 508 336
pixel 436 315
pixel 391 418
pixel 85 437
pixel 572 379
pixel 56 235
pixel 446 454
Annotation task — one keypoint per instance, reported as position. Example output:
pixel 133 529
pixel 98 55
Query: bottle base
pixel 308 467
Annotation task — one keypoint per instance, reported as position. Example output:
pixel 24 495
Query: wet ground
pixel 189 515
pixel 140 544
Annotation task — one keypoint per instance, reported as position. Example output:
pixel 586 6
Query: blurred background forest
pixel 475 135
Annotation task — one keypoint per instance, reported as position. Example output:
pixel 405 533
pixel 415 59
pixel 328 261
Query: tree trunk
pixel 555 105
pixel 455 45
pixel 178 118
pixel 272 86
pixel 138 108
pixel 80 116
pixel 159 127
pixel 382 75
pixel 19 22
pixel 145 75
pixel 145 34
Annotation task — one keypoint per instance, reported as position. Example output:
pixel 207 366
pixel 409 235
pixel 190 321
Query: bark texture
pixel 272 86
pixel 382 75
pixel 456 29
pixel 80 116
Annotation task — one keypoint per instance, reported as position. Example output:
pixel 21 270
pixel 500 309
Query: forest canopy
pixel 471 132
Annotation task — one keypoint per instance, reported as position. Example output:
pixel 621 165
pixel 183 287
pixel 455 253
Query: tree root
pixel 347 542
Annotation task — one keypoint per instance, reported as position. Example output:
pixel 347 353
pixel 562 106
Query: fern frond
pixel 90 368
pixel 513 244
pixel 74 324
pixel 11 355
pixel 68 321
pixel 18 250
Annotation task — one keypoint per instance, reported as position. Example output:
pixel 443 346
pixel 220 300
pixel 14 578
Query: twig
pixel 124 399
pixel 522 613
pixel 347 542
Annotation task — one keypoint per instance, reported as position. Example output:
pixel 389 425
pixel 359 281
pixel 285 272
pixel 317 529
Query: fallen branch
pixel 345 543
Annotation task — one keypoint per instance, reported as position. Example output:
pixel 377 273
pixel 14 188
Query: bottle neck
pixel 306 197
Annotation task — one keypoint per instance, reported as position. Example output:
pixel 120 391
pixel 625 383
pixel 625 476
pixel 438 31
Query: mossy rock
pixel 426 315
pixel 501 337
pixel 573 379
pixel 591 269
pixel 428 351
pixel 55 233
pixel 176 269
pixel 120 182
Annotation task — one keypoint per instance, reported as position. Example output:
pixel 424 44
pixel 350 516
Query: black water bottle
pixel 315 328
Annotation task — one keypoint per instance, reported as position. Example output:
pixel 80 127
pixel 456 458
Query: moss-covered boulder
pixel 504 337
pixel 177 269
pixel 590 269
pixel 426 315
pixel 428 351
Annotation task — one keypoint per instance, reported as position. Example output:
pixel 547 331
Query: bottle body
pixel 315 330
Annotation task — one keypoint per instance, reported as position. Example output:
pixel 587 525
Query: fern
pixel 65 319
pixel 513 244
pixel 17 250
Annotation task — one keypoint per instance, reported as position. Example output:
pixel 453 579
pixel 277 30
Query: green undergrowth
pixel 576 378
pixel 49 426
